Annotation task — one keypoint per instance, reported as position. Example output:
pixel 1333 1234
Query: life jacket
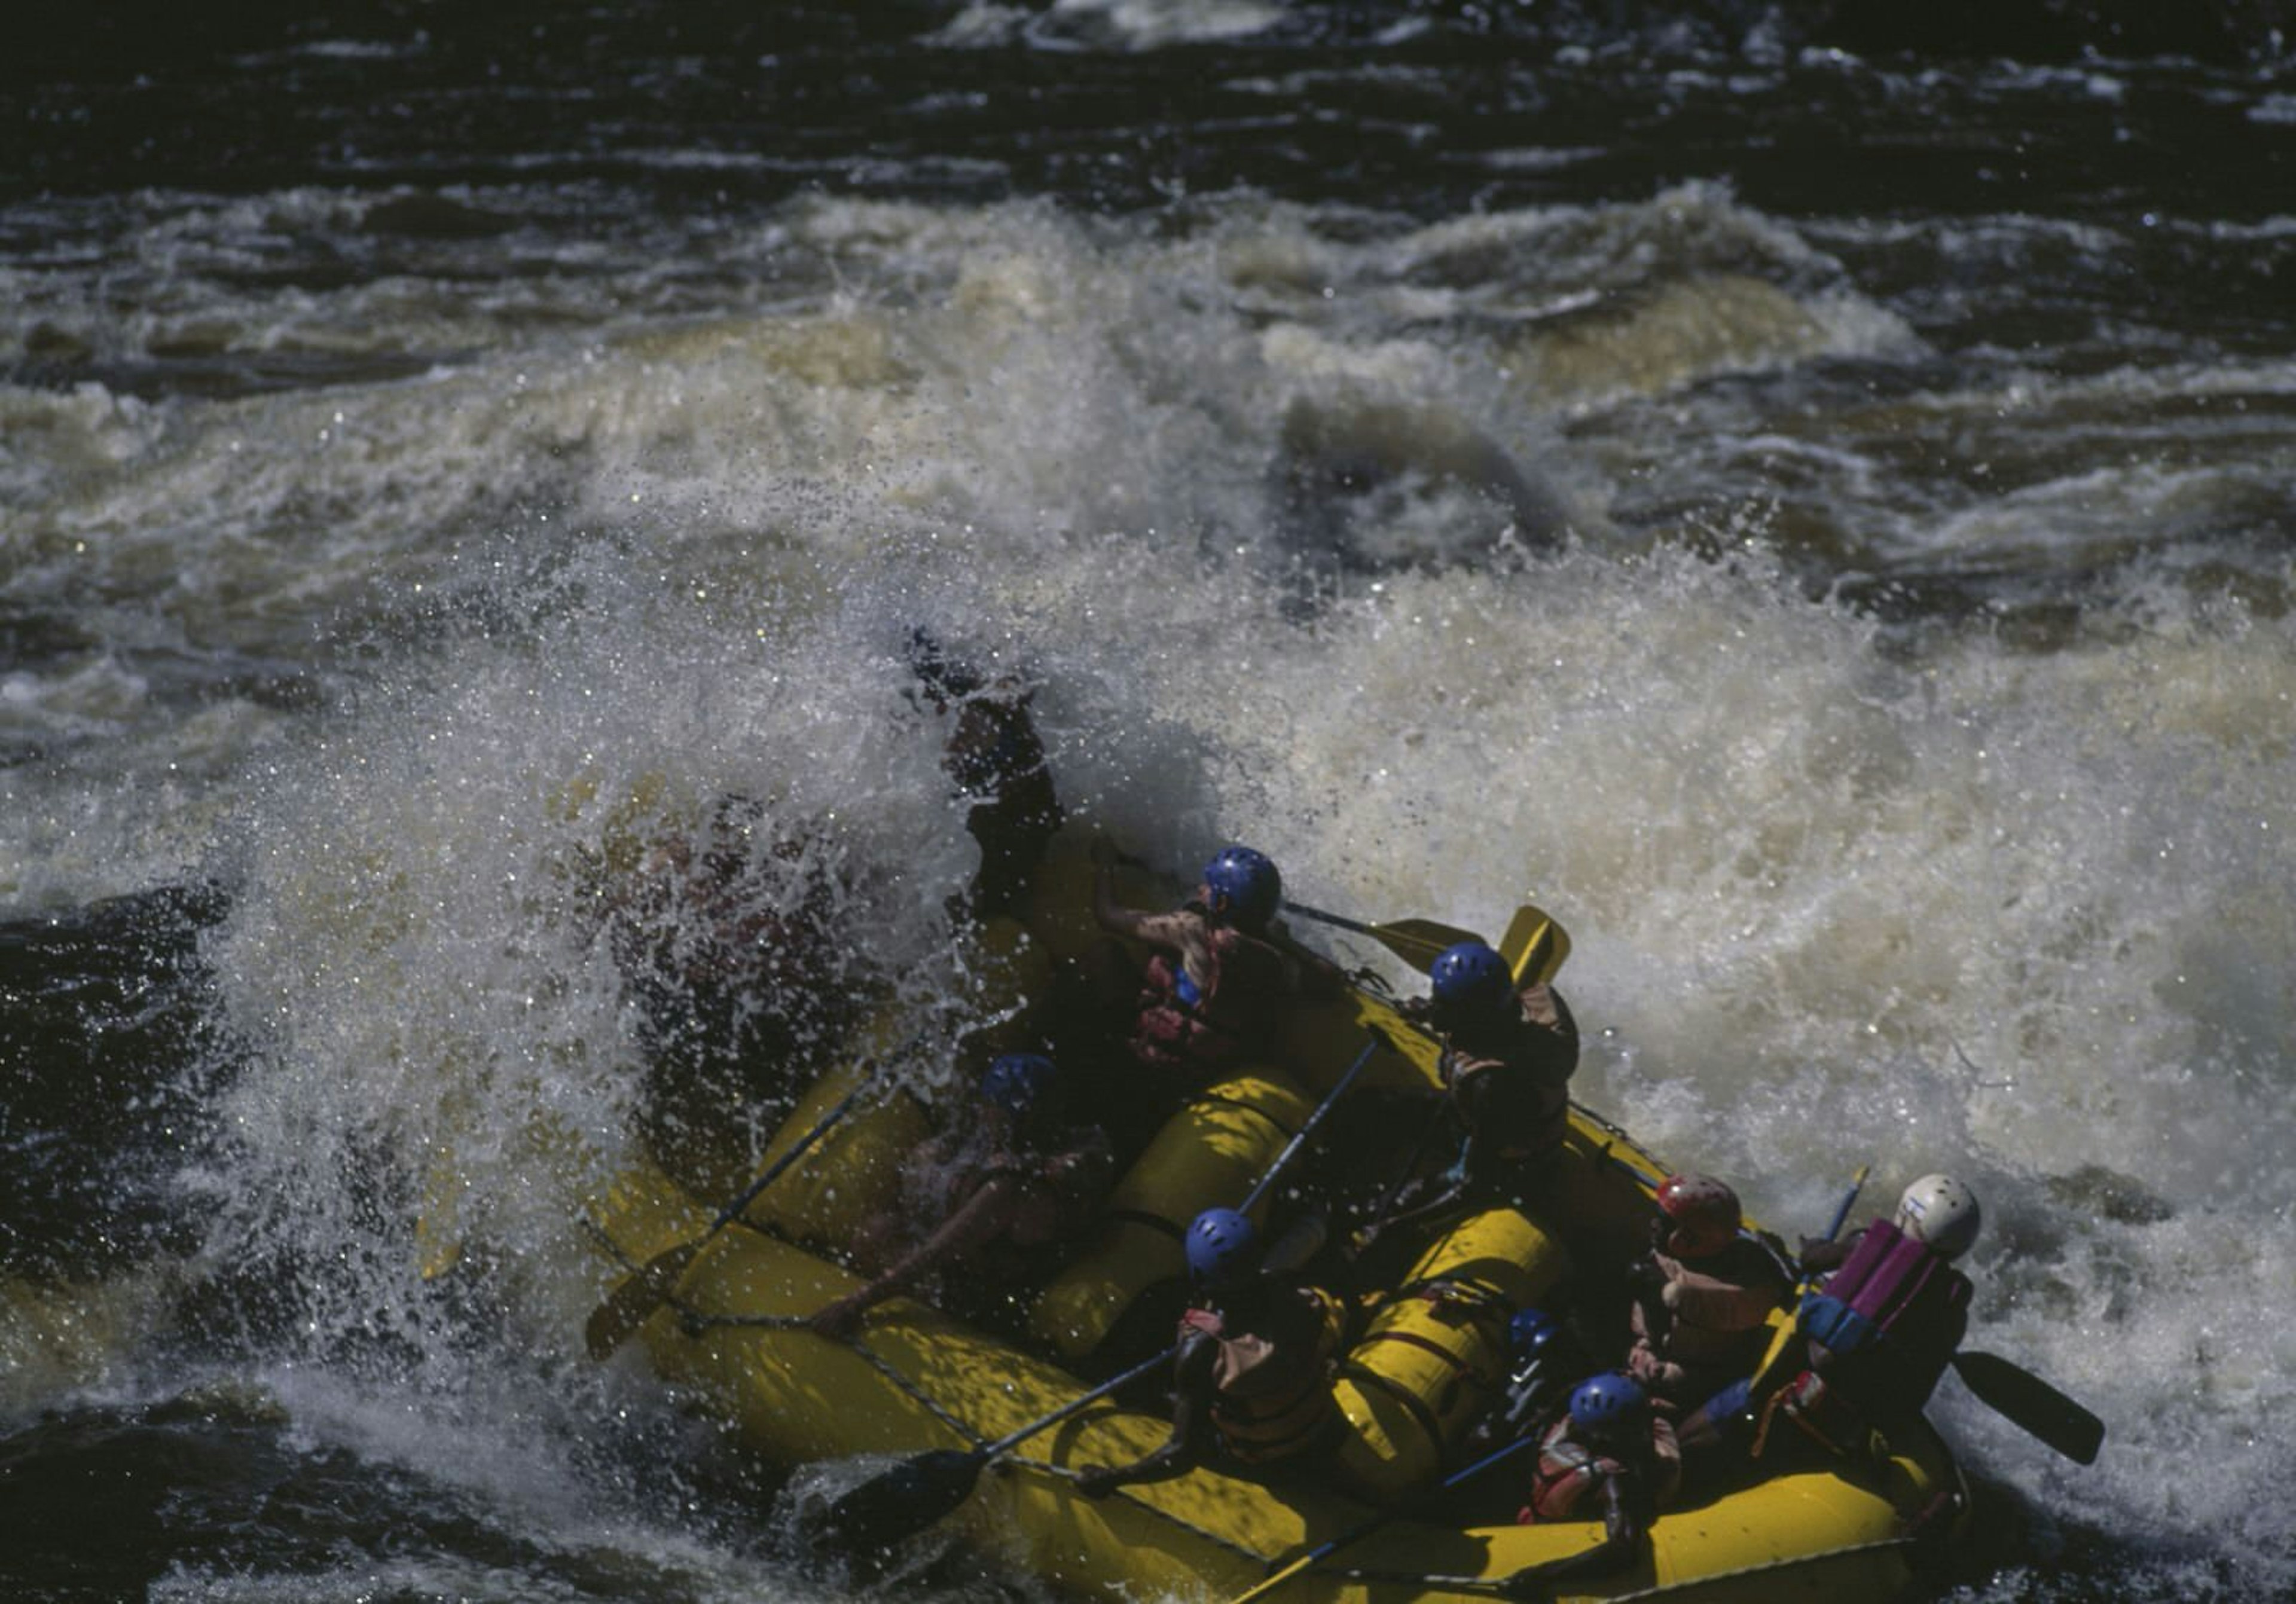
pixel 1719 1310
pixel 1200 1030
pixel 1885 1325
pixel 1271 1398
pixel 1512 1081
pixel 1568 1471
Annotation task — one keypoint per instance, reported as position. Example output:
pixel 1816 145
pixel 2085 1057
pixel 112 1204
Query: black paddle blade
pixel 2024 1399
pixel 888 1509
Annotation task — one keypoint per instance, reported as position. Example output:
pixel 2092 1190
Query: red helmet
pixel 1702 1211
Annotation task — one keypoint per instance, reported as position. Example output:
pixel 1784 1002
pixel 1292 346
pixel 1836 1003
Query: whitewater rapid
pixel 1312 533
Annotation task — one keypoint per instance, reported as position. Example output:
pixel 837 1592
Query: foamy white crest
pixel 1839 894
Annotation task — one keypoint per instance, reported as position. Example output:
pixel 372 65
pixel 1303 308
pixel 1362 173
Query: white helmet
pixel 1941 1212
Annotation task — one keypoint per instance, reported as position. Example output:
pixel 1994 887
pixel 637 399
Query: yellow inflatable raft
pixel 1427 1362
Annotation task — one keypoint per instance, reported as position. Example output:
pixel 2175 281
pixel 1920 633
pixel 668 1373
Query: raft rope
pixel 693 1322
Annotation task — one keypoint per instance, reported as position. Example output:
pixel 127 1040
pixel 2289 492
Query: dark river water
pixel 1810 497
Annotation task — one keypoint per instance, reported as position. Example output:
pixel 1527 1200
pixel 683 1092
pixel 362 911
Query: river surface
pixel 1814 511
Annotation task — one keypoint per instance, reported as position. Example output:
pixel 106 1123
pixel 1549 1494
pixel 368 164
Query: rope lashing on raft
pixel 696 1324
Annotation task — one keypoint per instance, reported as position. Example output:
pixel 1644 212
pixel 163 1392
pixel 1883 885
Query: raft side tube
pixel 930 1381
pixel 1209 1155
pixel 1433 1358
pixel 853 1173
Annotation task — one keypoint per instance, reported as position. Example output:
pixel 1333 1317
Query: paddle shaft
pixel 989 1451
pixel 1300 1137
pixel 936 1483
pixel 1340 922
pixel 1849 1201
pixel 798 1149
pixel 633 1302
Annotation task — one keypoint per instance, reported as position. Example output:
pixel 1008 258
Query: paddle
pixel 1534 945
pixel 1308 1126
pixel 1324 1550
pixel 2026 1401
pixel 1418 942
pixel 632 1302
pixel 896 1505
pixel 1841 1213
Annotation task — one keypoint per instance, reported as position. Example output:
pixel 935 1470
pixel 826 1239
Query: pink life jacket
pixel 1890 1318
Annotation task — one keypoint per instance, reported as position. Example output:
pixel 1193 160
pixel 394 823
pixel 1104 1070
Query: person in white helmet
pixel 1880 1330
pixel 1938 1210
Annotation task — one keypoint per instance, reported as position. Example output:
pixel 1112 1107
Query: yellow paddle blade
pixel 1534 945
pixel 437 1231
pixel 632 1304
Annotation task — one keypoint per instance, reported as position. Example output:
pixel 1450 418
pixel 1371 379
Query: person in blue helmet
pixel 1208 999
pixel 1000 1197
pixel 1609 1457
pixel 1253 1372
pixel 1508 1054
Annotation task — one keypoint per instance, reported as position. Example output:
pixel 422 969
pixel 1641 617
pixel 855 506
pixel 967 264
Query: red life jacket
pixel 1568 1472
pixel 1272 1397
pixel 1230 1018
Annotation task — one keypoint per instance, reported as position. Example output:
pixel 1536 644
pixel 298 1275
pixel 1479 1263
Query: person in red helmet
pixel 1702 1296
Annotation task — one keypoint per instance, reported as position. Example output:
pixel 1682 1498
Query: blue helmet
pixel 1469 979
pixel 1528 1333
pixel 1020 1082
pixel 1608 1404
pixel 1244 885
pixel 1222 1245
